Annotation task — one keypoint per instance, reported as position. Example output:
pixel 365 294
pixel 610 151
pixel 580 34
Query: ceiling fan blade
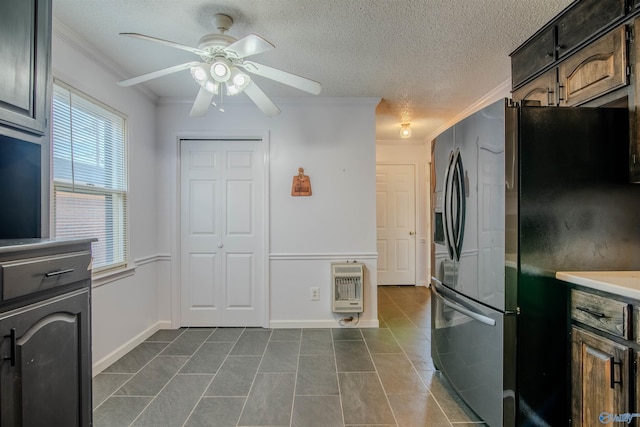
pixel 201 104
pixel 166 43
pixel 247 46
pixel 283 77
pixel 159 73
pixel 261 100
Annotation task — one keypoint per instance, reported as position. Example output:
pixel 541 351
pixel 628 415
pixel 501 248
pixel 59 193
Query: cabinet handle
pixel 591 312
pixel 58 273
pixel 612 364
pixel 559 93
pixel 12 345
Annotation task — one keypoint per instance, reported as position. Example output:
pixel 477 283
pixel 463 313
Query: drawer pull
pixel 12 346
pixel 58 273
pixel 591 312
pixel 612 364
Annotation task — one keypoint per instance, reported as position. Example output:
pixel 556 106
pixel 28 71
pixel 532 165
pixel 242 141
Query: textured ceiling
pixel 427 60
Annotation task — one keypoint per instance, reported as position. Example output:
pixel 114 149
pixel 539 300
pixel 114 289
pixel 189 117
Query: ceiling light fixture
pixel 237 82
pixel 405 130
pixel 221 70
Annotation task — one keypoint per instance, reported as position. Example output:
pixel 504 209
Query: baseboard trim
pixel 320 324
pixel 109 359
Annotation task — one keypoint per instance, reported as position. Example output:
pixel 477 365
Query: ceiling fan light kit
pixel 222 57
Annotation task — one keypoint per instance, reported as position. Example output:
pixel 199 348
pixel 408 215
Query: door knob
pixel 220 245
pixel 411 233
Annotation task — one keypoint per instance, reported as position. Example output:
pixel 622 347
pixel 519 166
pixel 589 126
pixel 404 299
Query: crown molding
pixel 93 53
pixel 503 90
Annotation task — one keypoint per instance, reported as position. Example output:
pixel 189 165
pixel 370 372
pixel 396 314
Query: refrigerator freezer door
pixel 468 348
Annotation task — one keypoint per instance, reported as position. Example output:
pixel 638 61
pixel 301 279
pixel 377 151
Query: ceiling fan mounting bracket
pixel 222 22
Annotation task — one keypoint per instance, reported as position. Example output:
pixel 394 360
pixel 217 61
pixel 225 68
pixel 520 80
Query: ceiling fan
pixel 221 67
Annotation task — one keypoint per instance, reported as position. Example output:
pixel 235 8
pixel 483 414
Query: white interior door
pixel 396 222
pixel 222 233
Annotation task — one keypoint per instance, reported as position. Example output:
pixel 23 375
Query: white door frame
pixel 416 198
pixel 175 220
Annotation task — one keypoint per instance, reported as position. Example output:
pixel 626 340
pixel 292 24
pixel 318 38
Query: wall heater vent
pixel 347 287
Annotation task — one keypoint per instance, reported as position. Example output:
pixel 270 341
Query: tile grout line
pixel 335 363
pixel 386 395
pixel 133 374
pixel 214 375
pixel 172 377
pixel 254 376
pixel 295 382
pixel 413 365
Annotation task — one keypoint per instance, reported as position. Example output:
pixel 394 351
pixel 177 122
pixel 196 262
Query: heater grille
pixel 347 279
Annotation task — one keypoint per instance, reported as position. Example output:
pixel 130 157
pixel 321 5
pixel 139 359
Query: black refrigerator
pixel 520 192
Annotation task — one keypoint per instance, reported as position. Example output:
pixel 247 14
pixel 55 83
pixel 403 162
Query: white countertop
pixel 624 283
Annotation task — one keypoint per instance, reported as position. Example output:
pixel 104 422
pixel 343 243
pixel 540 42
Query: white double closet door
pixel 222 265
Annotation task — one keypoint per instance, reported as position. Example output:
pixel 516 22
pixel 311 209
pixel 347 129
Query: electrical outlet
pixel 314 293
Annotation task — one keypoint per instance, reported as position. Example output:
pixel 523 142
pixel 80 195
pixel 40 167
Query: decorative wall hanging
pixel 301 185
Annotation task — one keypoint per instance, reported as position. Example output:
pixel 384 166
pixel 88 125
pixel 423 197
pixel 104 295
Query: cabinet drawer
pixel 26 276
pixel 601 313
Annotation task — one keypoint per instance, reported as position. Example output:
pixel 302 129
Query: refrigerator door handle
pixel 447 223
pixel 464 310
pixel 460 194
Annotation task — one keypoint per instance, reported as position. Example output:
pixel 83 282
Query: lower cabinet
pixel 600 372
pixel 45 376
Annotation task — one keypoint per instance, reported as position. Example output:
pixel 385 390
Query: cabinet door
pixel 634 145
pixel 584 20
pixel 25 34
pixel 595 70
pixel 600 378
pixel 45 372
pixel 541 90
pixel 533 56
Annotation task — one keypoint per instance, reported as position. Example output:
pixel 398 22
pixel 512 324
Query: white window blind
pixel 90 174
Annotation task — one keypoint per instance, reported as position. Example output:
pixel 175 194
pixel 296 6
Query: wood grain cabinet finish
pixel 599 378
pixel 25 46
pixel 634 145
pixel 594 70
pixel 601 313
pixel 584 20
pixel 541 90
pixel 535 55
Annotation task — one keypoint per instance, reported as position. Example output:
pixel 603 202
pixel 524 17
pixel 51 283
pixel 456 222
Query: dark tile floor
pixel 286 377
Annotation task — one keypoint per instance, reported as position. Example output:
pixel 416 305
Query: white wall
pixel 403 152
pixel 124 309
pixel 334 141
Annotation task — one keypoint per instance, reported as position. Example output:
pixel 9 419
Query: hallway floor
pixel 286 377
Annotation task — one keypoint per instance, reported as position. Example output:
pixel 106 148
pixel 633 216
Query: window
pixel 90 175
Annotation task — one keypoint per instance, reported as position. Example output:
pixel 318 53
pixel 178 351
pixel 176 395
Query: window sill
pixel 103 278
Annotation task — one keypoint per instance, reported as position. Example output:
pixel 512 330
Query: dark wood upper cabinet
pixel 577 25
pixel 25 46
